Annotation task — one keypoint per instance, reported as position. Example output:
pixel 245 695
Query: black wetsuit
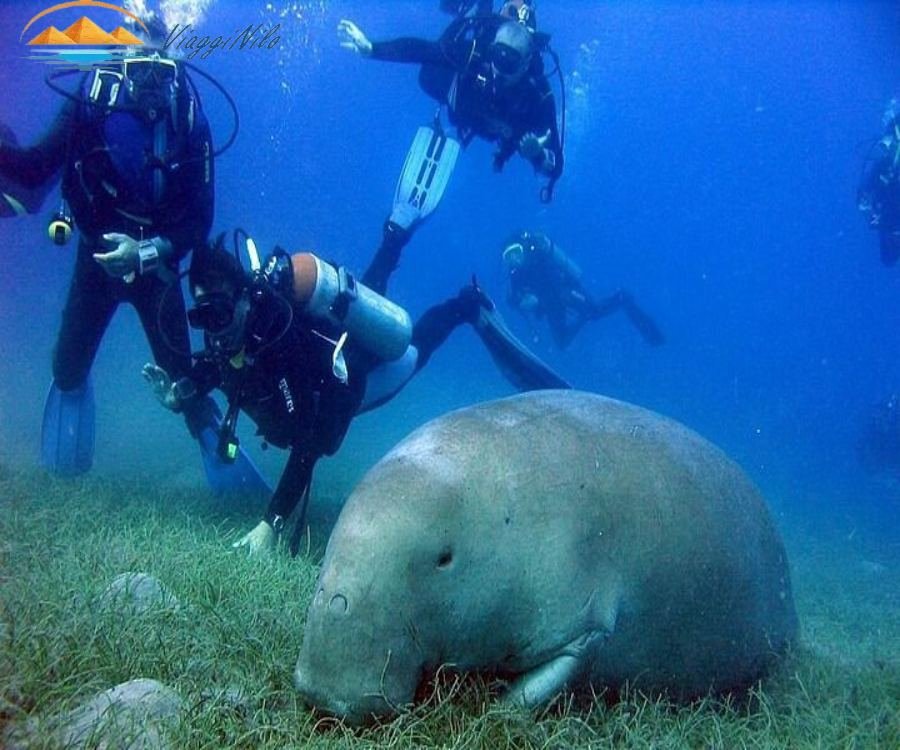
pixel 879 194
pixel 560 296
pixel 291 393
pixel 455 71
pixel 121 173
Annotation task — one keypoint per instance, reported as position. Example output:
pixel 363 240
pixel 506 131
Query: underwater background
pixel 713 151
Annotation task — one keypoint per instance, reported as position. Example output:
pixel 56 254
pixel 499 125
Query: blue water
pixel 713 155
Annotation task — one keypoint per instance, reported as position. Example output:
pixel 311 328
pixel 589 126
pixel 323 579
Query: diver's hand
pixel 528 302
pixel 259 541
pixel 122 262
pixel 352 38
pixel 532 145
pixel 162 386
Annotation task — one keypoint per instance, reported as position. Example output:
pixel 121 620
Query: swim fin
pixel 426 172
pixel 67 431
pixel 519 365
pixel 644 324
pixel 16 200
pixel 225 477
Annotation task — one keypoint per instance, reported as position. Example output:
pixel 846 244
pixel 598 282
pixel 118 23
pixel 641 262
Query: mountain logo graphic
pixel 84 32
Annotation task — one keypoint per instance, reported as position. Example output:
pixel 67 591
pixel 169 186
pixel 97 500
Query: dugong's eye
pixel 445 558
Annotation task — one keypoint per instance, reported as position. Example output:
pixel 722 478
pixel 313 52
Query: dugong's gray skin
pixel 557 536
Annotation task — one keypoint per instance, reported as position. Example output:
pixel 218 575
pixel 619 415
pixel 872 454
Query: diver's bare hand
pixel 352 38
pixel 260 541
pixel 124 260
pixel 161 385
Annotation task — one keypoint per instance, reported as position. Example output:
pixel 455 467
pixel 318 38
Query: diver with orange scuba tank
pixel 301 347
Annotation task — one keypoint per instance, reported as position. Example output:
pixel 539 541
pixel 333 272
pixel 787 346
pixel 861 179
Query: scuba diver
pixel 302 347
pixel 878 446
pixel 878 196
pixel 545 282
pixel 487 70
pixel 132 147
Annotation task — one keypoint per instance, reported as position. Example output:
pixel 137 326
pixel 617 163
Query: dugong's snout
pixel 355 710
pixel 353 663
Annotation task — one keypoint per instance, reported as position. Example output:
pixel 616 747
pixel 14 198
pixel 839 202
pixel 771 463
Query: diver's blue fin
pixel 426 172
pixel 67 432
pixel 239 476
pixel 519 365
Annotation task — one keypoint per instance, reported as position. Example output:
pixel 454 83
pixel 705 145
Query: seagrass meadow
pixel 228 647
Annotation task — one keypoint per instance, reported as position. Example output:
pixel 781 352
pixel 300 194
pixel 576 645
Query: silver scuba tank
pixel 370 320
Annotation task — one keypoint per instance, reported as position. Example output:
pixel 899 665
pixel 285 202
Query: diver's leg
pixel 161 309
pixel 439 321
pixel 562 328
pixel 67 428
pixel 89 307
pixel 890 245
pixel 387 257
pixel 622 300
pixel 387 379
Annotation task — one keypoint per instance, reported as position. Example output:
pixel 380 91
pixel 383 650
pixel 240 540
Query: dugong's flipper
pixel 551 678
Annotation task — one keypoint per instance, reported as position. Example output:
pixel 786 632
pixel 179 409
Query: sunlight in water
pixel 173 12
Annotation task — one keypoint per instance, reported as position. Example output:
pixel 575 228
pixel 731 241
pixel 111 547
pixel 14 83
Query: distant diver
pixel 487 70
pixel 302 347
pixel 878 447
pixel 545 282
pixel 878 197
pixel 133 149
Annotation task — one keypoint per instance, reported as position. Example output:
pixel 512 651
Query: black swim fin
pixel 519 365
pixel 644 324
pixel 16 200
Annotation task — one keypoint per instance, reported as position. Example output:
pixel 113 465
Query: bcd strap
pixel 347 293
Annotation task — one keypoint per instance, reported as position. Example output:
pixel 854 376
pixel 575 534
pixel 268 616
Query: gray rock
pixel 132 715
pixel 136 593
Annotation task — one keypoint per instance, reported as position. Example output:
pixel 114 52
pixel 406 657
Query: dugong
pixel 558 537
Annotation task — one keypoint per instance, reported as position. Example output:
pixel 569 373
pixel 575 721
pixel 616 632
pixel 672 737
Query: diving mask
pixel 506 60
pixel 151 81
pixel 514 255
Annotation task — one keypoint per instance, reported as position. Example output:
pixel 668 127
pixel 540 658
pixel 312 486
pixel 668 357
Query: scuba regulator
pixel 59 228
pixel 257 331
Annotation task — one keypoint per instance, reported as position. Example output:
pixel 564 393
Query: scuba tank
pixel 331 293
pixel 565 264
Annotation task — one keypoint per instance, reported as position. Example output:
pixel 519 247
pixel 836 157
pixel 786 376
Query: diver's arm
pixel 409 50
pixel 204 377
pixel 292 486
pixel 35 166
pixel 405 49
pixel 550 159
pixel 874 177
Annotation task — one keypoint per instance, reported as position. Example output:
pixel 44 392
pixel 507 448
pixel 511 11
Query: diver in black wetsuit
pixel 545 282
pixel 133 148
pixel 878 196
pixel 878 446
pixel 487 70
pixel 302 349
